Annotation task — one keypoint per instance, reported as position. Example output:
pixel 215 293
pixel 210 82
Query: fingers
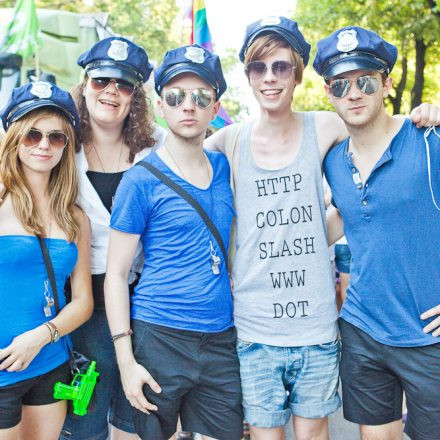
pixel 435 324
pixel 426 115
pixel 133 386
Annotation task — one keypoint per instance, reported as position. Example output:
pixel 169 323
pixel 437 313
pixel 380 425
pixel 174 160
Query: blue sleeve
pixel 131 207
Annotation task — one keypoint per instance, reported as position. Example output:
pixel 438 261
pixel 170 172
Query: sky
pixel 227 20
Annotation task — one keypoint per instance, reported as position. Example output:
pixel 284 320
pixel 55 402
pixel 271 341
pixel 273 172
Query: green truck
pixel 65 35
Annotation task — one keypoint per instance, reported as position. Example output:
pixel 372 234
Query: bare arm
pixel 121 251
pixel 335 225
pixel 216 142
pixel 330 130
pixel 23 349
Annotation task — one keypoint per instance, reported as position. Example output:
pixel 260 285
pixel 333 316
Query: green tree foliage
pixel 232 100
pixel 412 25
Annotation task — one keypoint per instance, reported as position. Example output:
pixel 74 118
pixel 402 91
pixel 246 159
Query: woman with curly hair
pixel 116 131
pixel 39 191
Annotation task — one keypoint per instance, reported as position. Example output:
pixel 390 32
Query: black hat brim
pixel 355 62
pixel 176 70
pixel 33 105
pixel 113 72
pixel 285 35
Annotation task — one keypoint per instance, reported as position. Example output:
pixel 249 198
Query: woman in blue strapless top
pixel 37 198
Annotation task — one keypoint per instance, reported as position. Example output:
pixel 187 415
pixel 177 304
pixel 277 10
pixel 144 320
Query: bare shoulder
pixel 330 130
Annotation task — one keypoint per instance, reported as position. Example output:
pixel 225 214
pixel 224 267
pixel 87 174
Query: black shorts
pixel 375 375
pixel 35 391
pixel 199 375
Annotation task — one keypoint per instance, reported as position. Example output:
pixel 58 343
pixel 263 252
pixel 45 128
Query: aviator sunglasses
pixel 201 97
pixel 124 87
pixel 257 69
pixel 57 139
pixel 366 84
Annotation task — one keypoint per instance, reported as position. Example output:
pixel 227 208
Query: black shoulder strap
pixel 50 272
pixel 192 201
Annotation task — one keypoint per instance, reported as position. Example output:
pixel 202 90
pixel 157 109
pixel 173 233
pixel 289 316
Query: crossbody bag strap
pixel 192 201
pixel 50 272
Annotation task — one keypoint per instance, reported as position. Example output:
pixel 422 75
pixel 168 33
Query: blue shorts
pixel 278 382
pixel 342 258
pixel 94 341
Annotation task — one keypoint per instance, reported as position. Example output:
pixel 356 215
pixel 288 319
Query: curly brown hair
pixel 138 127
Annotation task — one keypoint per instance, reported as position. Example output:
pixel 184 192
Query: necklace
pixel 47 295
pixel 212 252
pixel 99 159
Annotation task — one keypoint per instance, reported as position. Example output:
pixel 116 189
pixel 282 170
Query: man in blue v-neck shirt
pixel 385 182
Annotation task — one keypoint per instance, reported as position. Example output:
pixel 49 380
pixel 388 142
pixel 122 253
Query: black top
pixel 105 185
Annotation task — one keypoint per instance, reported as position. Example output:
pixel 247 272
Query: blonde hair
pixel 63 188
pixel 267 44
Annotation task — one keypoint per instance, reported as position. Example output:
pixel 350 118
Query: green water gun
pixel 79 391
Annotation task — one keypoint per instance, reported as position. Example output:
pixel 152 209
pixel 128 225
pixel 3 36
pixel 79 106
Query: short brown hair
pixel 266 44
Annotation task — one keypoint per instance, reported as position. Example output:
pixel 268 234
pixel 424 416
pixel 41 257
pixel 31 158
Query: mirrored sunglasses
pixel 366 84
pixel 57 139
pixel 201 97
pixel 257 69
pixel 124 87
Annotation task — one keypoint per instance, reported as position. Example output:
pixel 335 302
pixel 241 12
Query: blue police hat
pixel 38 94
pixel 353 48
pixel 282 26
pixel 194 59
pixel 117 57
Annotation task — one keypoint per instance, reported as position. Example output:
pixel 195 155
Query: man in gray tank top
pixel 284 299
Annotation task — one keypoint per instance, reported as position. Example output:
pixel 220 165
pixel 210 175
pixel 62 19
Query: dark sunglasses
pixel 201 97
pixel 124 87
pixel 257 69
pixel 57 139
pixel 366 84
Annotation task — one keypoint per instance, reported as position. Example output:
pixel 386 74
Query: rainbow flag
pixel 200 30
pixel 200 34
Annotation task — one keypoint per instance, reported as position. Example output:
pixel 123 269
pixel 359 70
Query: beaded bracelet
pixel 121 335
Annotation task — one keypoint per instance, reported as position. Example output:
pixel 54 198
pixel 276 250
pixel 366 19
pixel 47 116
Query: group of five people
pixel 175 336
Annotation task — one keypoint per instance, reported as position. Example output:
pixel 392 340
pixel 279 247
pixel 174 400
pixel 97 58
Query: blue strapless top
pixel 23 277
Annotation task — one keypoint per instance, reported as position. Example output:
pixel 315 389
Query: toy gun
pixel 79 391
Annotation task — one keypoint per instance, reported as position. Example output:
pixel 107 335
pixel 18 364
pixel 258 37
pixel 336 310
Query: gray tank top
pixel 283 285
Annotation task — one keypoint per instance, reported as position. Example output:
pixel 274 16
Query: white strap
pixel 425 136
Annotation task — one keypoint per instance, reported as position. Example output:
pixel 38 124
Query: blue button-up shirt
pixel 392 228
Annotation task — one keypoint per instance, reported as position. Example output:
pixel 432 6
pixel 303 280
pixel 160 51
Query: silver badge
pixel 118 50
pixel 41 89
pixel 195 54
pixel 267 21
pixel 347 40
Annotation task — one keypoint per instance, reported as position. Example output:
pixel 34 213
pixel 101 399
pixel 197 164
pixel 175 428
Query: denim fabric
pixel 93 340
pixel 342 258
pixel 280 381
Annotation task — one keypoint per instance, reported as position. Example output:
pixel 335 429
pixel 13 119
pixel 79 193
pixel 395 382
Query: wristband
pixel 54 332
pixel 121 335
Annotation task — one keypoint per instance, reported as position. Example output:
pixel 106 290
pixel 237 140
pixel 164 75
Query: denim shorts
pixel 375 375
pixel 278 382
pixel 94 341
pixel 342 258
pixel 35 391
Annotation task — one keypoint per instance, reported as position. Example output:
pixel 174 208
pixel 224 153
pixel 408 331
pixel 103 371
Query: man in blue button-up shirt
pixel 385 182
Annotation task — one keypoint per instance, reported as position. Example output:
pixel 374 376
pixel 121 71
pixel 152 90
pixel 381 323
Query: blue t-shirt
pixel 177 287
pixel 392 229
pixel 22 300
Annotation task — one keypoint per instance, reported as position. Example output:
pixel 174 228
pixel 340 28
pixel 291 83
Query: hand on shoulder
pixel 425 115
